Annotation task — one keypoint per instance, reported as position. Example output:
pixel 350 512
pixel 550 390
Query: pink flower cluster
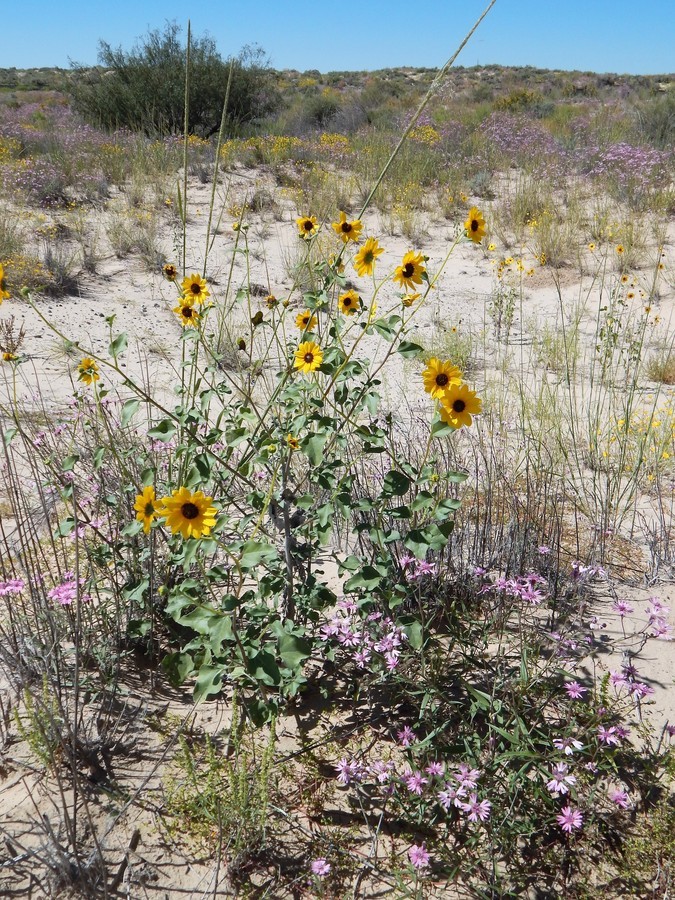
pixel 657 612
pixel 66 592
pixel 524 587
pixel 376 634
pixel 11 587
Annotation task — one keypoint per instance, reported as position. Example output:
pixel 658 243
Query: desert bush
pixel 143 89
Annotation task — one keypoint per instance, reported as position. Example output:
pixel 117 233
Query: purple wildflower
pixel 560 780
pixel 406 736
pixel 419 856
pixel 477 810
pixel 320 867
pixel 575 691
pixel 569 819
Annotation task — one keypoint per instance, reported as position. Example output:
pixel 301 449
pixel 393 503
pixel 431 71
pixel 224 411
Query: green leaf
pixel 234 436
pixel 163 431
pixel 433 537
pixel 118 345
pixel 395 484
pixel 254 553
pixel 446 508
pixel 408 350
pixel 69 462
pixel 369 578
pixel 178 666
pixel 313 445
pixel 98 458
pixel 294 650
pixel 129 410
pixel 209 681
pixel 440 429
pixel 8 435
pixel 264 668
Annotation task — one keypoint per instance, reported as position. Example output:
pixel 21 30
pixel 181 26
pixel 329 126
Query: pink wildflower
pixel 320 867
pixel 569 819
pixel 419 856
pixel 575 691
pixel 477 810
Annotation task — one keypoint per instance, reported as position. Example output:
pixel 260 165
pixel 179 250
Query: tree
pixel 144 89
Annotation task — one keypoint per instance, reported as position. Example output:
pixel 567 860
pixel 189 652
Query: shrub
pixel 143 89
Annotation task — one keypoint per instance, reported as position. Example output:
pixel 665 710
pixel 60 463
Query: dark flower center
pixel 188 312
pixel 190 510
pixel 459 406
pixel 442 379
pixel 149 509
pixel 195 288
pixel 475 224
pixel 346 227
pixel 408 270
pixel 308 225
pixel 347 301
pixel 368 257
pixel 309 358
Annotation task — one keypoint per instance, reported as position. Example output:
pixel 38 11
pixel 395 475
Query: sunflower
pixel 307 226
pixel 475 225
pixel 292 442
pixel 188 514
pixel 410 272
pixel 170 272
pixel 188 315
pixel 459 404
pixel 439 377
pixel 88 371
pixel 305 320
pixel 624 279
pixel 364 261
pixel 347 231
pixel 349 302
pixel 308 357
pixel 146 507
pixel 409 299
pixel 8 356
pixel 271 301
pixel 194 288
pixel 4 294
pixel 619 249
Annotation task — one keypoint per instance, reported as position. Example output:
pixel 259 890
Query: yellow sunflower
pixel 194 288
pixel 459 404
pixel 188 315
pixel 88 371
pixel 170 272
pixel 292 442
pixel 409 299
pixel 349 302
pixel 410 272
pixel 439 377
pixel 347 231
pixel 8 356
pixel 475 225
pixel 146 507
pixel 364 261
pixel 271 301
pixel 4 294
pixel 188 514
pixel 305 320
pixel 307 226
pixel 308 357
pixel 619 249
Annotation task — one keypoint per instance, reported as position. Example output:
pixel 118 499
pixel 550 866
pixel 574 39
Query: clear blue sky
pixel 597 35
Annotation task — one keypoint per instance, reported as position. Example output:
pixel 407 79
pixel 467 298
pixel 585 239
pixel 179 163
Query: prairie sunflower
pixel 88 371
pixel 409 299
pixel 307 226
pixel 4 294
pixel 194 288
pixel 459 404
pixel 364 261
pixel 8 356
pixel 308 357
pixel 410 272
pixel 475 225
pixel 347 231
pixel 170 272
pixel 439 377
pixel 305 320
pixel 619 249
pixel 292 442
pixel 349 302
pixel 188 315
pixel 146 507
pixel 188 514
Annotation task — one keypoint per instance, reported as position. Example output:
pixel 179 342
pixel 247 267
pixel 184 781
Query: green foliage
pixel 143 89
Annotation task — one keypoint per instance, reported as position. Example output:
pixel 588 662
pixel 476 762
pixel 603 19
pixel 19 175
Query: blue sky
pixel 597 35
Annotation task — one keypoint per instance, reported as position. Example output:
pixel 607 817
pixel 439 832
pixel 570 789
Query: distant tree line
pixel 144 89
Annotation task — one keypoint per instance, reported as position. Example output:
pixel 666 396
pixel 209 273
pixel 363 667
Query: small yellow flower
pixel 306 321
pixel 591 246
pixel 619 249
pixel 508 261
pixel 308 357
pixel 410 272
pixel 271 301
pixel 146 507
pixel 630 295
pixel 624 279
pixel 459 404
pixel 463 197
pixel 475 225
pixel 307 226
pixel 194 288
pixel 170 272
pixel 88 371
pixel 439 376
pixel 347 231
pixel 364 261
pixel 492 246
pixel 4 294
pixel 292 442
pixel 349 302
pixel 235 226
pixel 8 356
pixel 410 299
pixel 188 514
pixel 188 315
pixel 542 259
